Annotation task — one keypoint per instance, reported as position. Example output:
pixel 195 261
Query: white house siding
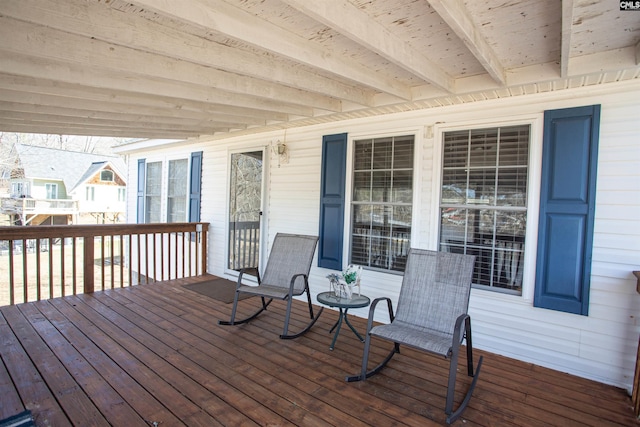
pixel 601 346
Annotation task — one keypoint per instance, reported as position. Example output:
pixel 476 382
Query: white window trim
pixel 418 142
pixel 52 185
pixel 165 187
pixel 164 177
pixel 533 193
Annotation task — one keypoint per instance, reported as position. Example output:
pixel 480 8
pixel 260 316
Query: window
pixel 177 191
pixel 153 192
pixel 483 202
pixel 178 182
pixel 52 191
pixel 106 175
pixel 122 194
pixel 382 202
pixel 20 189
pixel 90 193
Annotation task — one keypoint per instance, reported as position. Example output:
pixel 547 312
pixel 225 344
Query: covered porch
pixel 153 354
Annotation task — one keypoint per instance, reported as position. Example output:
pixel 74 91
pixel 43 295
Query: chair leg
pixel 314 319
pixel 364 374
pixel 451 385
pixel 232 321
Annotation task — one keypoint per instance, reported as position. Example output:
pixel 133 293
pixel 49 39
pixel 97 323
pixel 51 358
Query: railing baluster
pixel 130 261
pixel 62 281
pixel 50 267
pixel 147 258
pixel 184 265
pixel 189 237
pixel 121 260
pixel 155 258
pixel 25 269
pixel 11 279
pixel 112 266
pixel 175 259
pixel 102 262
pixel 73 266
pixel 38 270
pixel 139 262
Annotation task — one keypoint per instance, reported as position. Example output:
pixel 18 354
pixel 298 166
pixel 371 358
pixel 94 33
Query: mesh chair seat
pixel 420 338
pixel 276 292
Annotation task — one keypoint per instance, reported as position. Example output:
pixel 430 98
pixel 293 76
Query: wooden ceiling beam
pixel 64 120
pixel 27 109
pixel 456 16
pixel 89 76
pixel 567 30
pixel 223 18
pixel 60 93
pixel 351 22
pixel 100 22
pixel 39 41
pixel 84 107
pixel 23 126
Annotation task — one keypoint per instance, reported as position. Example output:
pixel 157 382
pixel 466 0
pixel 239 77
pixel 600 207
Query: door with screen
pixel 245 210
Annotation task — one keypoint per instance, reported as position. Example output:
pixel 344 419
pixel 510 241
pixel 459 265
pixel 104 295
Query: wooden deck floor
pixel 154 355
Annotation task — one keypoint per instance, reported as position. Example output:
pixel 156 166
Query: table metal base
pixel 342 316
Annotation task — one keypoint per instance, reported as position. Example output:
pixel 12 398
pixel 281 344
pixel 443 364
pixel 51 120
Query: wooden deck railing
pixel 41 262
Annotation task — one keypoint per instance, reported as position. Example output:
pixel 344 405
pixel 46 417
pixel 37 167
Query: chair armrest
pixel 372 310
pixel 293 282
pixel 242 271
pixel 458 334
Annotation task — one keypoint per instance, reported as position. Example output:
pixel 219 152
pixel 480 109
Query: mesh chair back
pixel 435 289
pixel 291 254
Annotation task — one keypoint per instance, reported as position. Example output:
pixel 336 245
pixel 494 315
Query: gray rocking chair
pixel 431 316
pixel 285 276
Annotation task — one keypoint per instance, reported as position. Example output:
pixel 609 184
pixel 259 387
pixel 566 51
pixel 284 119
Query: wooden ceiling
pixel 180 69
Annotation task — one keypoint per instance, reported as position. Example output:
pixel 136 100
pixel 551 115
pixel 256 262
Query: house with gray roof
pixel 57 187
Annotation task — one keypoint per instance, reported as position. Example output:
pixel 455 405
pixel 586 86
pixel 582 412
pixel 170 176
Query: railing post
pixel 88 264
pixel 204 237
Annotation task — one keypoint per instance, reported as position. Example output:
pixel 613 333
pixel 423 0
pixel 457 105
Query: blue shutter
pixel 567 207
pixel 195 186
pixel 141 183
pixel 332 200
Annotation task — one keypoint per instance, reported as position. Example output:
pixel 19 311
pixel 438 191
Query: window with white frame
pixel 122 194
pixel 52 190
pixel 90 193
pixel 483 202
pixel 153 193
pixel 20 189
pixel 382 202
pixel 177 190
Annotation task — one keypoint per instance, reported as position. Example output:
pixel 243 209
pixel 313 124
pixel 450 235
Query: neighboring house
pixel 554 225
pixel 49 186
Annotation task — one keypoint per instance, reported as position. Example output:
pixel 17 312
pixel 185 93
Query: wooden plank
pixel 87 376
pixel 69 322
pixel 11 402
pixel 205 387
pixel 156 375
pixel 245 370
pixel 33 390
